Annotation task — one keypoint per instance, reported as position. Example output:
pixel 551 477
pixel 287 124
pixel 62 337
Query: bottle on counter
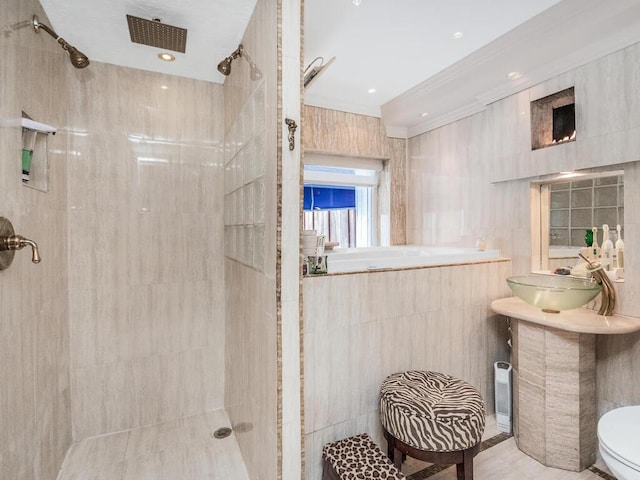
pixel 607 248
pixel 619 249
pixel 595 249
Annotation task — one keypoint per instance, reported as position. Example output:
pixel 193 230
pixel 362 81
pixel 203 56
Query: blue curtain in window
pixel 329 197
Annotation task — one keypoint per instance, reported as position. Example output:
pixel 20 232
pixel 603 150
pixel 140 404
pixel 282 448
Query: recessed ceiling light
pixel 356 2
pixel 457 34
pixel 167 57
pixel 513 75
pixel 164 87
pixel 372 90
pixel 424 114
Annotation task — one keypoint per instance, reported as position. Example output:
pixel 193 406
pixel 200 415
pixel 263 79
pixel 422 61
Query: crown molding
pixel 454 115
pixel 397 132
pixel 594 29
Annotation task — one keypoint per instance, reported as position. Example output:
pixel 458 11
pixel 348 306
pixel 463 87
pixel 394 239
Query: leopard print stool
pixel 357 458
pixel 433 417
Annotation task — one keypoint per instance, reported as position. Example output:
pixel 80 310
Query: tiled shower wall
pixel 250 229
pixel 146 284
pixel 250 307
pixel 362 327
pixel 35 415
pixel 244 178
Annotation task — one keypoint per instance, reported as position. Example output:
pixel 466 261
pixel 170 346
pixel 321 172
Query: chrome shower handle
pixel 18 242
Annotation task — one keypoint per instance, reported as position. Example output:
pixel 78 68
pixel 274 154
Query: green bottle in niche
pixel 588 238
pixel 27 155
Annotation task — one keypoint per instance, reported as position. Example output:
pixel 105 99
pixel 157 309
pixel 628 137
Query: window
pixel 577 206
pixel 340 200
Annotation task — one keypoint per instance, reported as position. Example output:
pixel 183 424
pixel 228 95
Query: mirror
pixel 571 205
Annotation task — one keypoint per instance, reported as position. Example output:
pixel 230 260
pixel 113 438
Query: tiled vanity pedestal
pixel 554 363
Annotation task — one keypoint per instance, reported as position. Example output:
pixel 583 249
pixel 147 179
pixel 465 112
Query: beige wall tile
pixel 451 198
pixel 250 264
pixel 146 205
pixel 262 190
pixel 333 132
pixel 34 338
pixel 359 328
pixel 398 172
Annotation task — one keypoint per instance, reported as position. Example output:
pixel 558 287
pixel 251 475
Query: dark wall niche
pixel 553 119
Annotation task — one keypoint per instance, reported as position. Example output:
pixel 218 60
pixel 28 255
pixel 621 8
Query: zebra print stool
pixel 432 417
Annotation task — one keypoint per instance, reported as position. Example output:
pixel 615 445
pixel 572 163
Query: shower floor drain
pixel 223 432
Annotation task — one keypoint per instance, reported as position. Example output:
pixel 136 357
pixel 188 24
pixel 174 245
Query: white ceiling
pixel 405 49
pixel 567 35
pixel 99 29
pixel 392 45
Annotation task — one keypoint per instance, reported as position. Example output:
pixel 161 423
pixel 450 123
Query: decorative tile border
pixel 600 473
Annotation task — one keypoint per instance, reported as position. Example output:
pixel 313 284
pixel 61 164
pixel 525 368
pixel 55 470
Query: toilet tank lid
pixel 619 431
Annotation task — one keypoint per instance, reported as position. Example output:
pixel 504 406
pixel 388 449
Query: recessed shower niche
pixel 553 119
pixel 34 156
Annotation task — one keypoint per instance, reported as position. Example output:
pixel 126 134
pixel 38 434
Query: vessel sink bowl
pixel 554 293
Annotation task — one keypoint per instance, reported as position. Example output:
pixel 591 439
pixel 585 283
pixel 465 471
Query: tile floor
pixel 501 462
pixel 182 449
pixel 185 450
pixel 505 462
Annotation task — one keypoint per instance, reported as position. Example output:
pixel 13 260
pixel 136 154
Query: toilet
pixel 619 439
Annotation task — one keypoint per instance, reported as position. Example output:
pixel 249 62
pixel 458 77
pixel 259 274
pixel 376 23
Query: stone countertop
pixel 579 320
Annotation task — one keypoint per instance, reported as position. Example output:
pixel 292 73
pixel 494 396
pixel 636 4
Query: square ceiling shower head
pixel 156 34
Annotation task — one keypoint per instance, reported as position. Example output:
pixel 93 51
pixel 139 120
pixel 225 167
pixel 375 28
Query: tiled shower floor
pixel 182 449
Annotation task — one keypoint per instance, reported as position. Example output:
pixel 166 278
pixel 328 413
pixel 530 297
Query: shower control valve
pixel 18 242
pixel 10 242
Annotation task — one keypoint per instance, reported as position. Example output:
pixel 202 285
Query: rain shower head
pixel 78 59
pixel 224 67
pixel 154 33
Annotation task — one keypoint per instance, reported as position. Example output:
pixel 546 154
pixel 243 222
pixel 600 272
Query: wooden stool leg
pixel 328 473
pixel 389 446
pixel 464 469
pixel 397 459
